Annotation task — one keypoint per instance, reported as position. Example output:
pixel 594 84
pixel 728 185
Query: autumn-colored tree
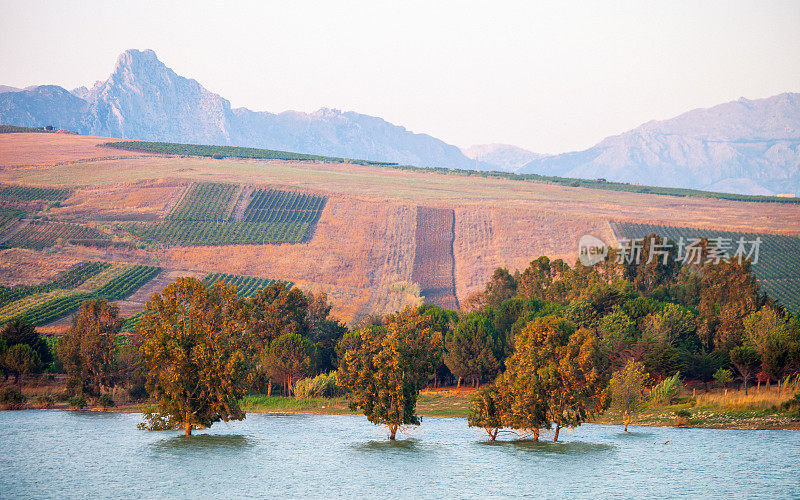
pixel 627 386
pixel 288 358
pixel 472 349
pixel 557 375
pixel 194 350
pixel 87 350
pixel 21 360
pixel 385 373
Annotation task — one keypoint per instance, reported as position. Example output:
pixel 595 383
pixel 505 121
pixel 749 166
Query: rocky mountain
pixel 744 146
pixel 144 99
pixel 501 156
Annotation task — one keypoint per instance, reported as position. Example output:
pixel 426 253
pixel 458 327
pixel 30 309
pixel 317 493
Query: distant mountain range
pixel 745 146
pixel 501 156
pixel 144 99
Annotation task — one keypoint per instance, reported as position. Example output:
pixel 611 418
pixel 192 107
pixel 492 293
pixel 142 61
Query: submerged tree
pixel 385 371
pixel 193 348
pixel 627 386
pixel 486 411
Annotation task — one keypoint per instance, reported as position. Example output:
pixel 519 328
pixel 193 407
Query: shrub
pixel 682 417
pixel 77 403
pixel 62 397
pixel 321 386
pixel 106 401
pixel 793 404
pixel 11 398
pixel 44 402
pixel 666 392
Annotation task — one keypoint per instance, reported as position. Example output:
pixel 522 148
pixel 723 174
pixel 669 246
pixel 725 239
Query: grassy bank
pixel 759 409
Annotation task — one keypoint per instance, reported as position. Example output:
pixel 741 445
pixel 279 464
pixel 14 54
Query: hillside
pixel 144 99
pixel 745 146
pixel 360 248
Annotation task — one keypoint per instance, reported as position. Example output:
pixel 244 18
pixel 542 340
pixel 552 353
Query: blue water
pixel 59 454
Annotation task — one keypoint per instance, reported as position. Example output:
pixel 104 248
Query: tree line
pixel 553 344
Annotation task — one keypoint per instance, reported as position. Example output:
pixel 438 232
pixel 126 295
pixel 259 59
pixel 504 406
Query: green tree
pixel 385 373
pixel 729 293
pixel 21 360
pixel 472 349
pixel 723 377
pixel 87 350
pixel 486 411
pixel 278 310
pixel 17 331
pixel 617 329
pixel 746 360
pixel 627 389
pixel 194 350
pixel 288 358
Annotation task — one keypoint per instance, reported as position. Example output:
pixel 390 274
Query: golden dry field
pixel 362 249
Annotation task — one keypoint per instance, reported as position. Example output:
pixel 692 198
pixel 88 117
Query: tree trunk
pixel 269 387
pixel 758 386
pixel 188 429
pixel 392 431
pixel 558 428
pixel 493 434
pixel 626 419
pixel 458 385
pixel 536 435
pixel 745 386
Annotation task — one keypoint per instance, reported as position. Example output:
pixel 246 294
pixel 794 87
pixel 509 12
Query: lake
pixel 77 454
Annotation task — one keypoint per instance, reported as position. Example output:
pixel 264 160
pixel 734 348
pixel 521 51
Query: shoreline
pixel 756 424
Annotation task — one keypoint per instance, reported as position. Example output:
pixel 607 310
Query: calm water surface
pixel 58 454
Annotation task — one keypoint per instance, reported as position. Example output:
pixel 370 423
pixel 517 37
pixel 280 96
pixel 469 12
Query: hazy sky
pixel 547 76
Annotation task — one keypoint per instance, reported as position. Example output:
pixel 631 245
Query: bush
pixel 62 397
pixel 44 402
pixel 666 392
pixel 11 398
pixel 77 403
pixel 793 404
pixel 321 386
pixel 106 401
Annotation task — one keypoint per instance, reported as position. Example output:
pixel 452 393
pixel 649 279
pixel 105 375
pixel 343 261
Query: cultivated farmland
pixel 434 265
pixel 363 245
pixel 246 286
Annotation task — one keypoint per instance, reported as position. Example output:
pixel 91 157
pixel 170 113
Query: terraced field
pixel 777 267
pixel 434 265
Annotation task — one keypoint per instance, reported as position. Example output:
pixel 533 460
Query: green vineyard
pixel 72 278
pixel 65 295
pixel 205 201
pixel 38 235
pixel 778 266
pixel 29 193
pixel 204 217
pixel 229 152
pixel 272 205
pixel 246 286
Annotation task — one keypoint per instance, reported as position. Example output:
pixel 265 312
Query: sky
pixel 546 76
